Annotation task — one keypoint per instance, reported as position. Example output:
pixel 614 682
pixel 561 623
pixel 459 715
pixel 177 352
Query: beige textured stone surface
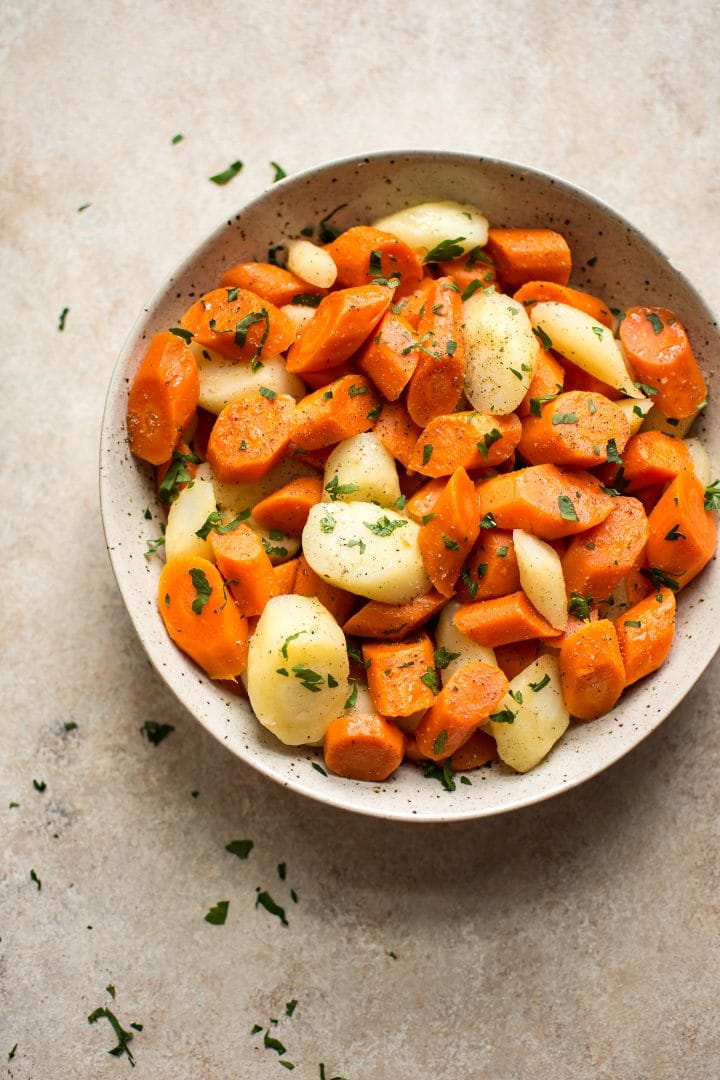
pixel 575 939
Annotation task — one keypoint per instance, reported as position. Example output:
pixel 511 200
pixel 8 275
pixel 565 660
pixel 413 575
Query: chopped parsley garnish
pixel 111 990
pixel 592 407
pixel 444 775
pixel 273 549
pixel 542 337
pixel 267 393
pixel 502 551
pixel 203 589
pixel 400 503
pixel 517 374
pixel 292 637
pixel 580 606
pixel 70 725
pixel 232 294
pixel 176 139
pixel 217 915
pixel 290 1007
pixel 153 546
pixel 505 716
pixel 477 255
pixel 335 488
pixel 356 391
pixel 232 525
pixel 565 418
pixel 427 517
pixel 597 331
pixel 536 687
pixel 445 250
pixel 241 848
pixel 177 474
pixel 471 289
pixel 516 695
pixel 63 316
pixel 712 496
pixel 227 175
pixel 36 879
pixel 85 206
pixel 318 768
pixel 649 391
pixel 358 544
pixel 443 657
pixel 427 452
pixel 675 534
pixel 451 347
pixel 155 732
pixel 264 899
pixel 537 403
pixel 567 510
pixel 39 785
pixel 307 299
pixel 656 322
pixel 384 526
pixel 487 440
pixel 440 742
pixel 612 453
pixel 280 173
pixel 327 233
pixel 208 525
pixel 309 679
pixel 488 522
pixel 327 523
pixel 472 586
pixel 123 1037
pixel 465 780
pixel 659 577
pixel 374 413
pixel 633 622
pixel 352 697
pixel 430 679
pixel 282 871
pixel 450 544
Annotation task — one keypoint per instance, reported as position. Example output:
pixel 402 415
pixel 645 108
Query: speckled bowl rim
pixel 432 803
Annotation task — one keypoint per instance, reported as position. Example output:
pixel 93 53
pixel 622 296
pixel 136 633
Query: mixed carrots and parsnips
pixel 426 500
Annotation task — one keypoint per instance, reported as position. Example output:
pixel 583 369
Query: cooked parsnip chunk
pixel 701 461
pixel 189 513
pixel 311 263
pixel 279 546
pixel 223 380
pixel 426 225
pixel 300 315
pixel 366 549
pixel 541 577
pixel 582 340
pixel 297 669
pixel 657 420
pixel 364 465
pixel 501 351
pixel 540 716
pixel 447 636
pixel 234 498
pixel 635 410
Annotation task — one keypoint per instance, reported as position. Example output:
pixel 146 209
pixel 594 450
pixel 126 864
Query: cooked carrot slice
pixel 244 563
pixel 345 408
pixel 285 576
pixel 522 255
pixel 363 254
pixel 447 538
pixel 287 508
pixel 363 746
pixel 548 380
pixel 479 749
pixel 437 382
pixel 491 569
pixel 516 656
pixel 592 673
pixel 544 500
pixel 397 431
pixel 645 633
pixel 339 603
pixel 469 697
pixel 470 272
pixel 413 306
pixel 342 322
pixel 163 397
pixel 401 676
pixel 239 324
pixel 502 620
pixel 534 292
pixel 662 357
pixel 390 358
pixel 577 379
pixel 470 440
pixel 250 435
pixel 653 458
pixel 392 622
pixel 596 561
pixel 683 534
pixel 576 429
pixel 422 503
pixel 270 282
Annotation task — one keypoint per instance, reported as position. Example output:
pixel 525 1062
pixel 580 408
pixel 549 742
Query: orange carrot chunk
pixel 392 622
pixel 201 618
pixel 469 697
pixel 547 382
pixel 479 749
pixel 243 562
pixel 683 534
pixel 422 502
pixel 437 382
pixel 397 431
pixel 544 500
pixel 651 457
pixel 363 746
pixel 515 657
pixel 345 408
pixel 287 508
pixel 535 292
pixel 239 324
pixel 250 435
pixel 491 569
pixel 414 305
pixel 390 357
pixel 522 255
pixel 285 576
pixel 363 254
pixel 339 603
pixel 401 677
pixel 163 397
pixel 660 353
pixel 592 673
pixel 596 561
pixel 447 538
pixel 270 282
pixel 469 440
pixel 576 429
pixel 645 633
pixel 470 272
pixel 502 620
pixel 342 322
pixel 577 379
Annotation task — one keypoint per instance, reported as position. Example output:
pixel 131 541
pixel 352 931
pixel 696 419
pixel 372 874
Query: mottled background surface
pixel 575 939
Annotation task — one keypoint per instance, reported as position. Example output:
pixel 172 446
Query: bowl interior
pixel 610 258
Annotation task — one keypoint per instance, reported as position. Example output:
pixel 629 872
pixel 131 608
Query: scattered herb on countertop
pixel 63 316
pixel 241 848
pixel 155 732
pixel 123 1037
pixel 218 913
pixel 227 175
pixel 264 899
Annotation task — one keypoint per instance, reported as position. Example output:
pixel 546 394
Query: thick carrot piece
pixel 548 380
pixel 363 746
pixel 437 382
pixel 577 379
pixel 201 618
pixel 479 749
pixel 270 282
pixel 397 431
pixel 243 562
pixel 503 620
pixel 401 676
pixel 413 306
pixel 575 429
pixel 447 538
pixel 345 408
pixel 320 380
pixel 339 603
pixel 422 502
pixel 287 508
pixel 239 324
pixel 653 458
pixel 342 322
pixel 470 440
pixel 250 435
pixel 660 353
pixel 683 534
pixel 391 622
pixel 471 272
pixel 474 691
pixel 515 657
pixel 596 561
pixel 592 672
pixel 363 254
pixel 522 255
pixel 163 397
pixel 285 576
pixel 390 357
pixel 645 633
pixel 545 501
pixel 491 569
pixel 534 292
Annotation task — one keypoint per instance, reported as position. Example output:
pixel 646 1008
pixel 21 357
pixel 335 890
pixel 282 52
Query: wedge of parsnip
pixel 582 340
pixel 366 549
pixel 701 461
pixel 426 225
pixel 635 411
pixel 223 380
pixel 462 648
pixel 189 513
pixel 297 669
pixel 537 714
pixel 360 469
pixel 501 350
pixel 657 420
pixel 541 577
pixel 311 263
pixel 235 498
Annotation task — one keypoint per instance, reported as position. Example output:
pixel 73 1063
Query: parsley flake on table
pixel 227 175
pixel 155 732
pixel 176 139
pixel 39 785
pixel 63 316
pixel 123 1037
pixel 218 913
pixel 241 848
pixel 264 899
pixel 280 173
pixel 36 879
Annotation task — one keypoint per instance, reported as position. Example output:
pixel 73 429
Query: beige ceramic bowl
pixel 610 258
